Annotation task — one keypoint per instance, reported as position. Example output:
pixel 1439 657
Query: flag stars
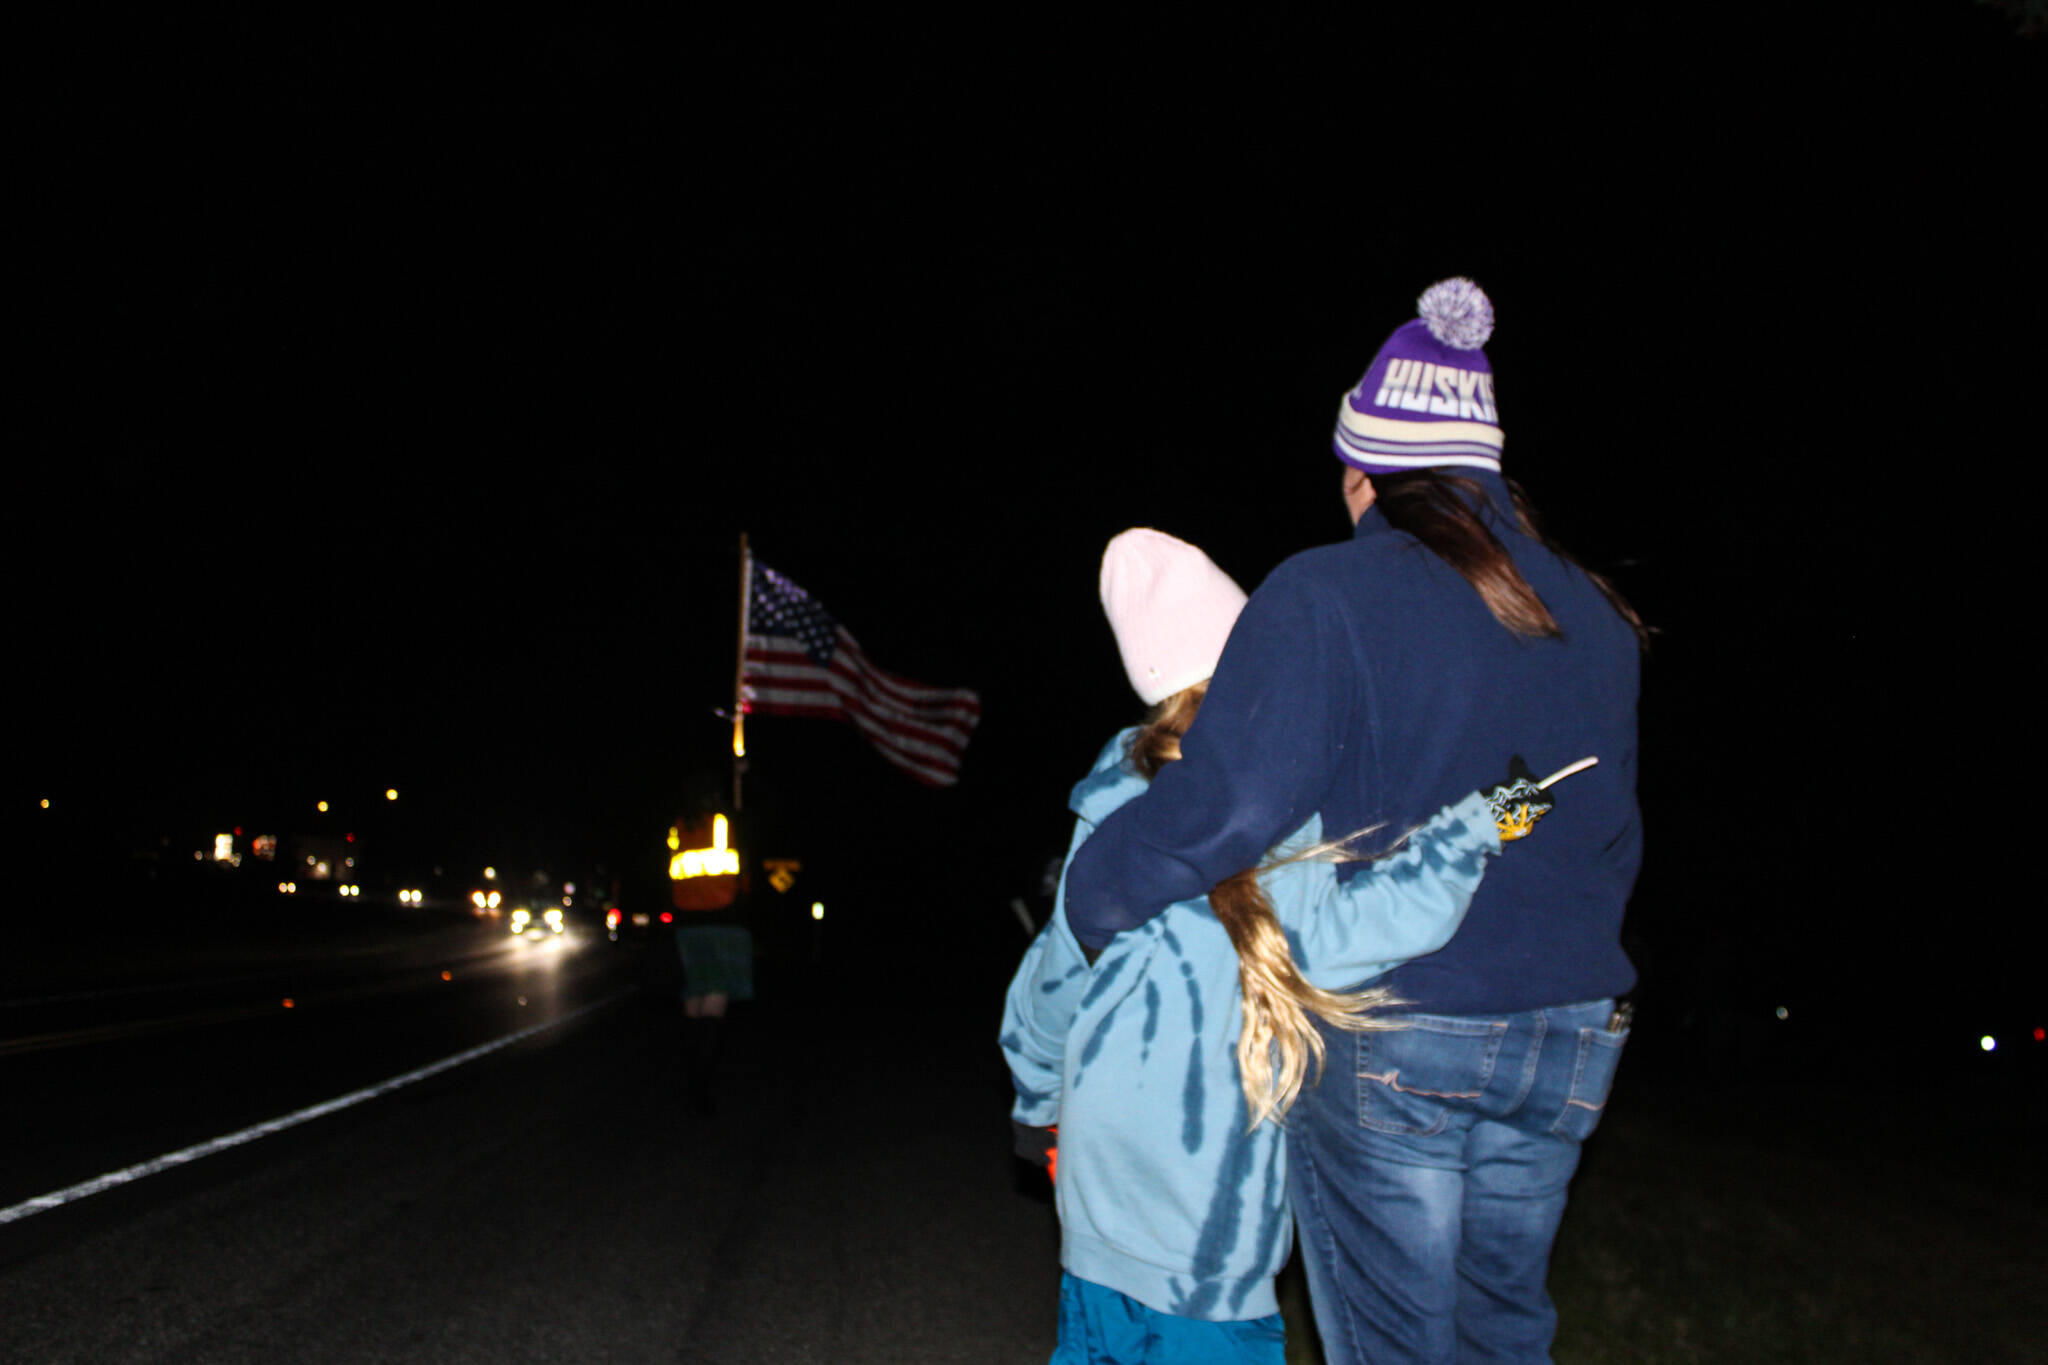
pixel 780 607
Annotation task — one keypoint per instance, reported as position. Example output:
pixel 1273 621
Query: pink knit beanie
pixel 1171 609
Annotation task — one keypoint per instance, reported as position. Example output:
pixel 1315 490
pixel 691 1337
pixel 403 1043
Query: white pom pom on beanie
pixel 1171 609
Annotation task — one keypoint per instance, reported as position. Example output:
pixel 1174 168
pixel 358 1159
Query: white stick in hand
pixel 1565 772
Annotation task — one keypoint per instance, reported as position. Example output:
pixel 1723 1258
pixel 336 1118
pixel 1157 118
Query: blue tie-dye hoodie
pixel 1162 1193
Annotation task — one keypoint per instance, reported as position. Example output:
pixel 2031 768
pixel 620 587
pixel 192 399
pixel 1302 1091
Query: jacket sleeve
pixel 1257 760
pixel 1349 930
pixel 1039 1010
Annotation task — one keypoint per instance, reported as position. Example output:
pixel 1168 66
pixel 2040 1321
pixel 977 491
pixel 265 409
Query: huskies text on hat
pixel 1427 398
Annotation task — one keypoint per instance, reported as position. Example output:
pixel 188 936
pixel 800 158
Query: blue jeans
pixel 1428 1174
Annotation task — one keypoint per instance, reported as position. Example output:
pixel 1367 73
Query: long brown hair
pixel 1158 743
pixel 1437 508
pixel 1277 1038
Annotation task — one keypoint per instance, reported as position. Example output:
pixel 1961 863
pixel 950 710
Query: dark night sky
pixel 400 388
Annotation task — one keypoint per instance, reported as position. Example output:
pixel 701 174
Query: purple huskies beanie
pixel 1427 398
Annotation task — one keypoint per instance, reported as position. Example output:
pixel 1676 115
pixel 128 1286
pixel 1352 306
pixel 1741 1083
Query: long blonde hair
pixel 1278 1037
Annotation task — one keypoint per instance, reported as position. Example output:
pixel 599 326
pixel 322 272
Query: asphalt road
pixel 852 1198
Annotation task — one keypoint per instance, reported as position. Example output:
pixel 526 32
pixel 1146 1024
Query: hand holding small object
pixel 1519 802
pixel 1039 1146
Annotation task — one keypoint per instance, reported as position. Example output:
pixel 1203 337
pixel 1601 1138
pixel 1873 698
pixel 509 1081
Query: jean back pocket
pixel 1599 1054
pixel 1410 1079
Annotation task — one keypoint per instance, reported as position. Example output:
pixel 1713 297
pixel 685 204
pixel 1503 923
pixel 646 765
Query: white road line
pixel 42 1203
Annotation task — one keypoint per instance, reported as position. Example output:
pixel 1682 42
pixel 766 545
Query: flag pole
pixel 739 680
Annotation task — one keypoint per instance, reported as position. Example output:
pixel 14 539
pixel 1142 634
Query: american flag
pixel 800 662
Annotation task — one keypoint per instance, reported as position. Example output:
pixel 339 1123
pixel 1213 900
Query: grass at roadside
pixel 1781 1225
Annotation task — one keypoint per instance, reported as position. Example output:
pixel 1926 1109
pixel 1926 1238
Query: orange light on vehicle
pixel 715 861
pixel 290 1003
pixel 447 976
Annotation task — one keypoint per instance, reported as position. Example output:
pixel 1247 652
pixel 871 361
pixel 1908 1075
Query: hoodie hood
pixel 1110 783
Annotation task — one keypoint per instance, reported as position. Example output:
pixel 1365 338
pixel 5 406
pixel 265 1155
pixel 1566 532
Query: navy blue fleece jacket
pixel 1368 683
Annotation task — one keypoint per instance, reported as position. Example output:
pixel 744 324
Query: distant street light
pixel 320 805
pixel 391 793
